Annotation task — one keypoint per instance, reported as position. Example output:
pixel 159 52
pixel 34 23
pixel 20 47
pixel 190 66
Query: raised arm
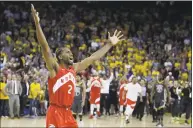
pixel 51 63
pixel 100 53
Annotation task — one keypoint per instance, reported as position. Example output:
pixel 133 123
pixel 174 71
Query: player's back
pixel 62 87
pixel 95 85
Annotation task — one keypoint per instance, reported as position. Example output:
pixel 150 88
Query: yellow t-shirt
pixel 18 42
pixel 137 68
pixel 144 70
pixel 41 96
pixel 189 54
pixel 2 54
pixel 99 67
pixel 129 55
pixel 23 30
pixel 155 73
pixel 8 38
pixel 2 94
pixel 138 58
pixel 184 76
pixel 130 49
pixel 142 52
pixel 112 65
pixel 189 66
pixel 34 90
pixel 131 63
pixel 146 64
pixel 177 65
pixel 31 32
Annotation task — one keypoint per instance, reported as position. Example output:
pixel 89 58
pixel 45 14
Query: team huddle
pixel 67 91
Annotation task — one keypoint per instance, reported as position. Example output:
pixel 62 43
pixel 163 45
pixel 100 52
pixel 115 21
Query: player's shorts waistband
pixel 61 106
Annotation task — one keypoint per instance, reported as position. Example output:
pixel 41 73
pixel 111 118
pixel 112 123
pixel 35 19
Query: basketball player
pixel 132 89
pixel 95 92
pixel 79 99
pixel 159 98
pixel 61 81
pixel 122 101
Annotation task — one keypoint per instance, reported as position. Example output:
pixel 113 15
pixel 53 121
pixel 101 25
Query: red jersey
pixel 121 89
pixel 96 85
pixel 62 87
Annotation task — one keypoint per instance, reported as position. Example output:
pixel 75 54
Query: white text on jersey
pixel 63 80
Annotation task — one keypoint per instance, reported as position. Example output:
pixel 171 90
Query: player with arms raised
pixel 61 82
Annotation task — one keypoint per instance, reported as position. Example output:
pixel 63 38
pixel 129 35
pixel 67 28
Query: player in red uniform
pixel 122 102
pixel 62 76
pixel 95 91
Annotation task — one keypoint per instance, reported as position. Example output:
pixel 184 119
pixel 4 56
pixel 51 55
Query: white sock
pixel 121 109
pixel 46 104
pixel 91 109
pixel 127 117
pixel 98 107
pixel 35 111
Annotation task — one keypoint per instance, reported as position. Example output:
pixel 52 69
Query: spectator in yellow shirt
pixel 34 89
pixel 4 99
pixel 184 76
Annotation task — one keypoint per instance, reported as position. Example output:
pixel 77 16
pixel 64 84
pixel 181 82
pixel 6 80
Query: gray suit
pixel 13 96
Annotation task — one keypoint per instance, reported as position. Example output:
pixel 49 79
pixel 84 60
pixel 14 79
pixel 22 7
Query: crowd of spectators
pixel 158 40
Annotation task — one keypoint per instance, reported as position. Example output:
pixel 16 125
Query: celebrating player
pixel 95 89
pixel 132 89
pixel 61 81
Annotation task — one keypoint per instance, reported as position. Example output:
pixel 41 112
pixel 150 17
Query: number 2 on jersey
pixel 69 89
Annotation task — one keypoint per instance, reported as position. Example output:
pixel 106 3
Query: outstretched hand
pixel 115 38
pixel 35 14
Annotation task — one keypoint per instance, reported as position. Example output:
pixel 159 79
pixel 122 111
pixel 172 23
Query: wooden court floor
pixel 104 121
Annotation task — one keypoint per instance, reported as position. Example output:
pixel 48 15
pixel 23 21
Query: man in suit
pixel 25 92
pixel 14 89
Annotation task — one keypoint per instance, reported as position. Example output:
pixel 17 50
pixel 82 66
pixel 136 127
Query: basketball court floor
pixel 105 121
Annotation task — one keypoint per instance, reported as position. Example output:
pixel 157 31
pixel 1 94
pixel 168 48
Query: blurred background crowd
pixel 158 41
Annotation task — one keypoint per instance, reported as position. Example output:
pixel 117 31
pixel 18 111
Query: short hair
pixel 58 52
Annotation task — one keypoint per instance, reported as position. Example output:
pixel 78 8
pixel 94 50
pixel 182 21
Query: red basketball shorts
pixel 121 101
pixel 94 98
pixel 131 103
pixel 60 117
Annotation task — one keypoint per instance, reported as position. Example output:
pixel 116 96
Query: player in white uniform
pixel 132 91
